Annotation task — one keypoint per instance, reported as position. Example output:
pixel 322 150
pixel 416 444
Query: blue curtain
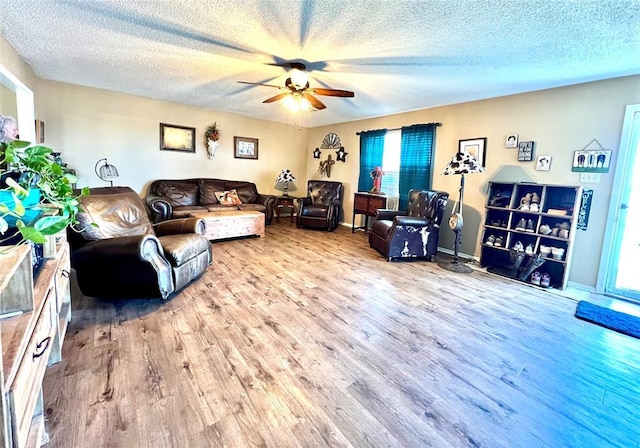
pixel 371 149
pixel 416 152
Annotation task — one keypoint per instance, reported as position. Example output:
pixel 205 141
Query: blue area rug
pixel 614 320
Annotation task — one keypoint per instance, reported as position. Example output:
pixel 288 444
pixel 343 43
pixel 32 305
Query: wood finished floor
pixel 311 339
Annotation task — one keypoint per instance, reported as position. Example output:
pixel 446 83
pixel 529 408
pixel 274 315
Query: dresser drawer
pixel 26 387
pixel 63 270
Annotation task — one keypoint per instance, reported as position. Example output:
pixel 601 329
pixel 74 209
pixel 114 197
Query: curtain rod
pixel 437 124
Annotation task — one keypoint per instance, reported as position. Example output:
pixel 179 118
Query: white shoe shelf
pixel 557 209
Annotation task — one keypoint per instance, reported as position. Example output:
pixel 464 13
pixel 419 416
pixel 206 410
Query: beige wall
pixel 18 68
pixel 87 124
pixel 560 121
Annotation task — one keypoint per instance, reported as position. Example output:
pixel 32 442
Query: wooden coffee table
pixel 231 224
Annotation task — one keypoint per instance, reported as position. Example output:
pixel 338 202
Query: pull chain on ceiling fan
pixel 297 88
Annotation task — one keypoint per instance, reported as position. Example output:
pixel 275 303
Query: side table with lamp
pixel 284 183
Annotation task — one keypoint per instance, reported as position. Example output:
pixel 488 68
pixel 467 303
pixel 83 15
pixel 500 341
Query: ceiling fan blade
pixel 315 102
pixel 259 84
pixel 276 98
pixel 332 92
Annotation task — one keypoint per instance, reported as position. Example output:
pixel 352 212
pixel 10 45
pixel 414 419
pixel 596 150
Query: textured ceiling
pixel 395 55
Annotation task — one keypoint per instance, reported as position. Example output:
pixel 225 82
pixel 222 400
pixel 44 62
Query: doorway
pixel 620 263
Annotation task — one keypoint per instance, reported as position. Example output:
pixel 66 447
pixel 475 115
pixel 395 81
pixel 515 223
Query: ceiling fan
pixel 297 88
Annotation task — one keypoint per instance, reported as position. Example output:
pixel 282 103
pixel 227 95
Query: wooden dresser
pixel 366 204
pixel 32 329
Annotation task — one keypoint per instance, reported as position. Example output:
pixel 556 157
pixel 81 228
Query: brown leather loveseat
pixel 177 198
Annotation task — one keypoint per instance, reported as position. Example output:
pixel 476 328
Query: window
pixel 405 156
pixel 391 163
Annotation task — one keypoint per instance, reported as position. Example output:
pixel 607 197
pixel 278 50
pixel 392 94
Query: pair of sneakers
pixel 530 202
pixel 539 279
pixel 518 246
pixel 493 241
pixel 525 225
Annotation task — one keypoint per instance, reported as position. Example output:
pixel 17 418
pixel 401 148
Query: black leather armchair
pixel 321 208
pixel 413 233
pixel 125 256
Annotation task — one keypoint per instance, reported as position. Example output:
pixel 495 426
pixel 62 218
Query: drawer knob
pixel 40 350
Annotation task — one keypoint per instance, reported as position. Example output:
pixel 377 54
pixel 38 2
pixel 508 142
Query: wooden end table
pixel 285 202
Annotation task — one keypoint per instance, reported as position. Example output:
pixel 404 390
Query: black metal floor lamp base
pixel 455 266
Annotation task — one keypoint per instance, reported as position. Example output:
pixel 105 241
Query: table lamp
pixel 462 163
pixel 106 172
pixel 282 182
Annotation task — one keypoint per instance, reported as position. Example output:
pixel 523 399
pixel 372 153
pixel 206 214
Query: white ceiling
pixel 395 55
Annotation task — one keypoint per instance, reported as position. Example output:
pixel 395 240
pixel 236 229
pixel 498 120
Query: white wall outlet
pixel 592 178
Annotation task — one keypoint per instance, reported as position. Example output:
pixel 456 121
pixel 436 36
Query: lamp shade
pixel 282 181
pixel 105 171
pixel 285 176
pixel 463 163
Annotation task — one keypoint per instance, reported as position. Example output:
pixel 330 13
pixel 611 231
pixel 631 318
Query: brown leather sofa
pixel 120 254
pixel 321 208
pixel 413 233
pixel 176 198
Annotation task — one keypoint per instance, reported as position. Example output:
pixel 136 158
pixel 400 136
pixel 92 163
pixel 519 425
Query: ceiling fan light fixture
pixel 296 103
pixel 299 78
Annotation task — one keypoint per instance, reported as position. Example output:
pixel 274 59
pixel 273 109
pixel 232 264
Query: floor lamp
pixel 462 163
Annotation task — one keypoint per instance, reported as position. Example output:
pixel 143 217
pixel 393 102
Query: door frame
pixel 630 134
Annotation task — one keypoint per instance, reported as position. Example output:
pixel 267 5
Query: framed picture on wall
pixel 512 141
pixel 543 163
pixel 475 147
pixel 39 131
pixel 525 151
pixel 245 148
pixel 177 138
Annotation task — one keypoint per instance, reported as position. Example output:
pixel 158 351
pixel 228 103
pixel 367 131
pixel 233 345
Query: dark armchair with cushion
pixel 413 233
pixel 321 208
pixel 125 256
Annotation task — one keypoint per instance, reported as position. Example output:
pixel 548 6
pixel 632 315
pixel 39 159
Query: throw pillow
pixel 228 197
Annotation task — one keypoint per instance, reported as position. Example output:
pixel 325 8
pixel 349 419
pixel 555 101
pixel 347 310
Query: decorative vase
pixel 212 146
pixel 32 212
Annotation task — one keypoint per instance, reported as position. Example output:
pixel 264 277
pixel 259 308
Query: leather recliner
pixel 118 253
pixel 321 208
pixel 413 233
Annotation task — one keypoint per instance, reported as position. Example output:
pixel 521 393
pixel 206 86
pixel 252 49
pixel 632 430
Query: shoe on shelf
pixel 563 233
pixel 518 246
pixel 500 199
pixel 554 231
pixel 535 199
pixel 490 240
pixel 545 280
pixel 499 242
pixel 557 253
pixel 535 278
pixel 503 223
pixel 545 229
pixel 495 223
pixel 521 225
pixel 545 251
pixel 534 207
pixel 529 227
pixel 525 202
pixel 529 250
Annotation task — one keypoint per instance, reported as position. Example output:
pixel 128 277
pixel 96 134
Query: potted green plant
pixel 37 196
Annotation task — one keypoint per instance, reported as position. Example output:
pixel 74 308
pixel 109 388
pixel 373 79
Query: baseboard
pixel 460 254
